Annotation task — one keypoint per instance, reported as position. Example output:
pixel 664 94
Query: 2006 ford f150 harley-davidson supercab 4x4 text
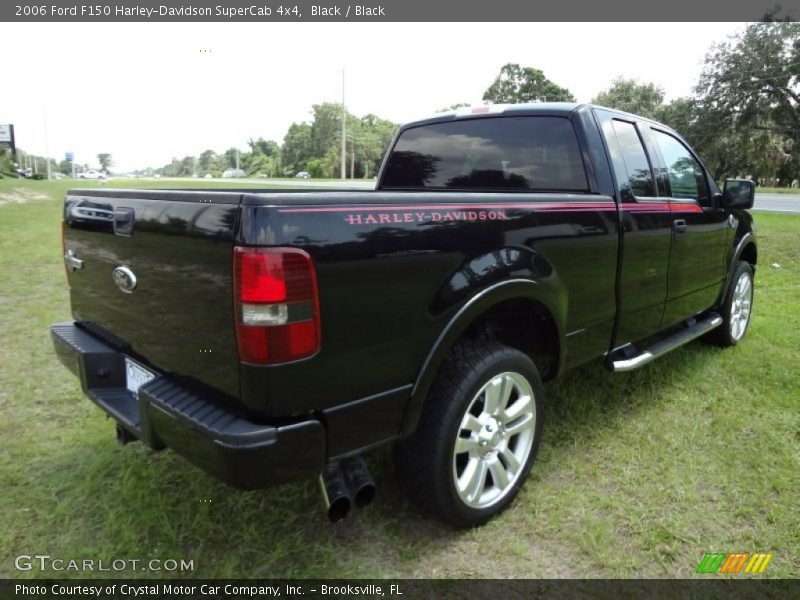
pixel 269 336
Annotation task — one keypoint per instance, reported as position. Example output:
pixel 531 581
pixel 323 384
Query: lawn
pixel 639 475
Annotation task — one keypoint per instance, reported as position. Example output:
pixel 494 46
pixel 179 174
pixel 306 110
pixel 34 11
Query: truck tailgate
pixel 178 316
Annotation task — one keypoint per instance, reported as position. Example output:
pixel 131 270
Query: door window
pixel 686 177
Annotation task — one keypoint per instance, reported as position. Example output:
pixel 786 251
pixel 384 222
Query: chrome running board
pixel 712 321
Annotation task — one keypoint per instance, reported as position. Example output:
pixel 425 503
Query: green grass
pixel 639 474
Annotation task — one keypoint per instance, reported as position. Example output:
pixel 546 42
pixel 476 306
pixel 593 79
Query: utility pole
pixel 46 145
pixel 344 118
pixel 353 158
pixel 237 163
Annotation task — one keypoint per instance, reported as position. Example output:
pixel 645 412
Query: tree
pixel 265 147
pixel 297 147
pixel 643 99
pixel 227 160
pixel 749 98
pixel 316 147
pixel 755 77
pixel 372 141
pixel 326 129
pixel 105 161
pixel 515 85
pixel 205 162
pixel 7 163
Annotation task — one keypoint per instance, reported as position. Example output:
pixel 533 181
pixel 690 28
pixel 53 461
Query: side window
pixel 686 177
pixel 636 177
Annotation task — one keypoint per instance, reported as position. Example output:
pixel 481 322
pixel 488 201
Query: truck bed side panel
pixel 393 271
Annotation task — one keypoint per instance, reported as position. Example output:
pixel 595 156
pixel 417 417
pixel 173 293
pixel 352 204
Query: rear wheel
pixel 737 307
pixel 477 436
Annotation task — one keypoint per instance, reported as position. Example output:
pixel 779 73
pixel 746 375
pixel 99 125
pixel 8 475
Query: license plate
pixel 136 375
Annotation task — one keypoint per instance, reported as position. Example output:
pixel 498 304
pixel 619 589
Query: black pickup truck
pixel 274 335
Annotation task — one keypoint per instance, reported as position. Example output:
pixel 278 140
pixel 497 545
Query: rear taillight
pixel 276 304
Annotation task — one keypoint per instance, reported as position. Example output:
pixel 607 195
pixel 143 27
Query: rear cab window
pixel 631 165
pixel 534 153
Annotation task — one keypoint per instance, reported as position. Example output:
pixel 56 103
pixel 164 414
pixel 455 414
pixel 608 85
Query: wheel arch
pixel 484 314
pixel 746 249
pixel 749 253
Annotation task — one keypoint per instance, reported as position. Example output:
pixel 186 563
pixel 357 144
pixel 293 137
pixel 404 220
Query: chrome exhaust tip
pixel 359 481
pixel 335 493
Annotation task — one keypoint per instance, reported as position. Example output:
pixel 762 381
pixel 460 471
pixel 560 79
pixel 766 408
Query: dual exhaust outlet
pixel 343 483
pixel 346 483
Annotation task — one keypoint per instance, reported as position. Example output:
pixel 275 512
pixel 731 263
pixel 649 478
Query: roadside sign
pixel 69 156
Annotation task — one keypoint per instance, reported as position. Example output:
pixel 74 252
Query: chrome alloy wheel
pixel 741 304
pixel 495 440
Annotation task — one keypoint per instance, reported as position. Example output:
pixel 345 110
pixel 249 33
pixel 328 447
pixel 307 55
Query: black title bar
pixel 287 11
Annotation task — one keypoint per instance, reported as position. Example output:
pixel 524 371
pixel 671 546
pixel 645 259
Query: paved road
pixel 778 203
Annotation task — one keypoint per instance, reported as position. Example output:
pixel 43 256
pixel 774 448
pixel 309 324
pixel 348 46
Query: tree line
pixel 313 147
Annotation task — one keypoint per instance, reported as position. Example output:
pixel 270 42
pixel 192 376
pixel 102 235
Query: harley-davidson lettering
pixel 425 217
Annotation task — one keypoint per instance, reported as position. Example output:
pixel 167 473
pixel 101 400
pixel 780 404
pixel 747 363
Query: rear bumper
pixel 170 413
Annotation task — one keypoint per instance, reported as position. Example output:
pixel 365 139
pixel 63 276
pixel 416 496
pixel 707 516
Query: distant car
pixel 26 173
pixel 303 175
pixel 90 175
pixel 58 175
pixel 208 176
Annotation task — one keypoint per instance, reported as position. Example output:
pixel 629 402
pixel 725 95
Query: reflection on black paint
pixel 489 268
pixel 90 215
pixel 489 178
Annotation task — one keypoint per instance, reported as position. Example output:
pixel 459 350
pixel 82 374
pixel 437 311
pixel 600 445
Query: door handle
pixel 678 228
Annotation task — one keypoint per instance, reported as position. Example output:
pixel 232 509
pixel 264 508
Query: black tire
pixel 427 461
pixel 726 334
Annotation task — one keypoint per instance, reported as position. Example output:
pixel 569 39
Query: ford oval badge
pixel 125 279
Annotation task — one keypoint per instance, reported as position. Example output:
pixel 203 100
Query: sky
pixel 148 92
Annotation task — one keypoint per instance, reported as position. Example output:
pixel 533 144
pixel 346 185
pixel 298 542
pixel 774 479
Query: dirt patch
pixel 21 196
